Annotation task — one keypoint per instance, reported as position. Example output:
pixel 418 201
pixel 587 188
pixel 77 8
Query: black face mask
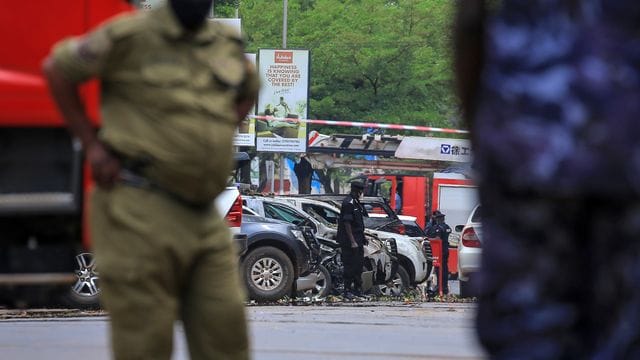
pixel 191 13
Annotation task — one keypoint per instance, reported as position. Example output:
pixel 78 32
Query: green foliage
pixel 372 60
pixel 225 8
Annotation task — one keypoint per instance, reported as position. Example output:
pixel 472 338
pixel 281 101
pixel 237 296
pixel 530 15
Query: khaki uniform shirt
pixel 166 95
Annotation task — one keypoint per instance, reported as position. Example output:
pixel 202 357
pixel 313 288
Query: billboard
pixel 246 132
pixel 284 75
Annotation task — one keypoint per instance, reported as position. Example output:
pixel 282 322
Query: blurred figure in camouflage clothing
pixel 174 88
pixel 551 91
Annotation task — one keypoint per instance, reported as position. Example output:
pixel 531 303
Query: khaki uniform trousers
pixel 161 261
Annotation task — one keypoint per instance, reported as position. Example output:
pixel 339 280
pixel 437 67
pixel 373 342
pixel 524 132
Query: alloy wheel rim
pixel 321 283
pixel 267 273
pixel 87 277
pixel 393 287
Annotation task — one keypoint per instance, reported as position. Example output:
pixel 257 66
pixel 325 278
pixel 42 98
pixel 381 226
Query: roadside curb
pixel 8 314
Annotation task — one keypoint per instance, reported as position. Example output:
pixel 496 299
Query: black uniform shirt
pixel 352 212
pixel 441 231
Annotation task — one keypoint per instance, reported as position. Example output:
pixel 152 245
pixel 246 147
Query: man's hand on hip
pixel 104 165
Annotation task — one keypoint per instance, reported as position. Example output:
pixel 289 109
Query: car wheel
pixel 85 292
pixel 324 286
pixel 268 274
pixel 397 285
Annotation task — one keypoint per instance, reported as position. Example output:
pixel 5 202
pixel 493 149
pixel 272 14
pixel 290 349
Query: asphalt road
pixel 425 331
pixel 346 331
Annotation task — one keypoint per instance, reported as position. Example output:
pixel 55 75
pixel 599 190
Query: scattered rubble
pixel 408 299
pixel 7 314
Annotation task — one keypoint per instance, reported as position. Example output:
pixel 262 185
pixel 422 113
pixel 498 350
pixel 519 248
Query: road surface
pixel 343 332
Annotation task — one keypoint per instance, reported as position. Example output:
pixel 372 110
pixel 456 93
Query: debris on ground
pixel 409 298
pixel 7 314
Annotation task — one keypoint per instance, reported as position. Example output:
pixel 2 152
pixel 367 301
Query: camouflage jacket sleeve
pixel 83 57
pixel 251 84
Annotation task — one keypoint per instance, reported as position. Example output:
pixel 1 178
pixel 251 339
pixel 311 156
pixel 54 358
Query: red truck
pixel 43 237
pixel 44 183
pixel 452 193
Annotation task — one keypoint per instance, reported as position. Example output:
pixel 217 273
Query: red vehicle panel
pixel 421 195
pixel 28 29
pixel 44 182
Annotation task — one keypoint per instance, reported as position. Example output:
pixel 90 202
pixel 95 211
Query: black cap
pixel 359 185
pixel 437 213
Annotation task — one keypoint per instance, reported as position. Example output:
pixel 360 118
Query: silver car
pixel 469 250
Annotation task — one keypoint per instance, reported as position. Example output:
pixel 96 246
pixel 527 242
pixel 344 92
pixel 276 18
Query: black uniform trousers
pixel 353 261
pixel 445 267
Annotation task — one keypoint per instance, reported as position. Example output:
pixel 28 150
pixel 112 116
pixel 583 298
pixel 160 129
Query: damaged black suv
pixel 278 258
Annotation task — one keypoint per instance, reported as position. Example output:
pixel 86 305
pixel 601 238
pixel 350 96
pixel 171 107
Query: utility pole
pixel 285 6
pixel 284 23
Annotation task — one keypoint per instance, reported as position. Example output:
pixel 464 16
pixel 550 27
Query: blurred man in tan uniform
pixel 174 88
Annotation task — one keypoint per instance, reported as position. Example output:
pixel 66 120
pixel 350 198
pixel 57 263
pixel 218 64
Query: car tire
pixel 467 288
pixel 85 292
pixel 396 286
pixel 268 274
pixel 324 285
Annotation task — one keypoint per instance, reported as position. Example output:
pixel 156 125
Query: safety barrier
pixel 436 251
pixel 363 124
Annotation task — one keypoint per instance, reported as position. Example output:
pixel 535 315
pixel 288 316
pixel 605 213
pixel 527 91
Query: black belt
pixel 132 171
pixel 131 178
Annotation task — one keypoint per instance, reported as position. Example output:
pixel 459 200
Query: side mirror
pixel 459 228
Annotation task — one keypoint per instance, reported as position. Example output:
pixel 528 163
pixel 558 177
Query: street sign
pixel 430 148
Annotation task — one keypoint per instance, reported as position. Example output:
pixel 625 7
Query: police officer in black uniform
pixel 351 239
pixel 441 230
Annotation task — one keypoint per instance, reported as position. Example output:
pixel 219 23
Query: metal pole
pixel 285 5
pixel 212 14
pixel 272 183
pixel 284 24
pixel 282 174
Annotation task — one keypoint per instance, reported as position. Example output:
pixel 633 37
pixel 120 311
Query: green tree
pixel 376 60
pixel 386 61
pixel 225 8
